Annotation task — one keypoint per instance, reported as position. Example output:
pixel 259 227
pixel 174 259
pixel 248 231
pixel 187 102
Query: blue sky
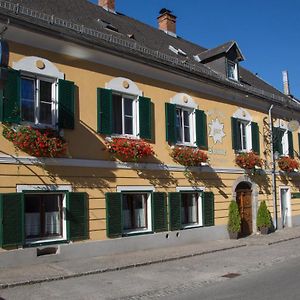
pixel 267 31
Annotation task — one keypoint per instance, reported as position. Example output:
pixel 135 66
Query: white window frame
pixel 248 135
pixel 235 70
pixel 200 191
pixel 285 142
pixel 60 189
pixel 135 116
pixel 141 190
pixel 54 97
pixel 192 126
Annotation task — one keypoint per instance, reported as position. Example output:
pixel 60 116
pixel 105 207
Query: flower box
pixel 36 142
pixel 189 157
pixel 248 161
pixel 129 149
pixel 288 164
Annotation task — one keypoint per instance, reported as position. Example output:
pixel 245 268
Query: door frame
pixel 288 204
pixel 254 196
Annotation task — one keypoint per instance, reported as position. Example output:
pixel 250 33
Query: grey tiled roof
pixel 88 22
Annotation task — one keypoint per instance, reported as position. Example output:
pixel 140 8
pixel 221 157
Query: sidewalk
pixel 10 277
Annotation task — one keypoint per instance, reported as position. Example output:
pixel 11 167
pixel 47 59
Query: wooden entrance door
pixel 244 201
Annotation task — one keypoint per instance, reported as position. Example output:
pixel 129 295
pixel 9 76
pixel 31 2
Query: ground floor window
pixel 43 216
pixel 189 209
pixel 135 211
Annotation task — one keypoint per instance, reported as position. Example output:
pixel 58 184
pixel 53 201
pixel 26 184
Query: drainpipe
pixel 273 169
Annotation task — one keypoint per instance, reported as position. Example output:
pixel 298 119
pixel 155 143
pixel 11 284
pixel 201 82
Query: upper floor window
pixel 124 114
pixel 283 141
pixel 122 110
pixel 185 125
pixel 232 70
pixel 36 93
pixel 38 100
pixel 245 132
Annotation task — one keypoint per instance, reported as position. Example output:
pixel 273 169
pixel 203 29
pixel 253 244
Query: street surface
pixel 262 272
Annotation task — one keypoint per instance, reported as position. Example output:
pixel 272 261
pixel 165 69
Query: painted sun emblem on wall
pixel 216 131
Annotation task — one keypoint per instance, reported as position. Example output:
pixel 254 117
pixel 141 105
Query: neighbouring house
pixel 115 130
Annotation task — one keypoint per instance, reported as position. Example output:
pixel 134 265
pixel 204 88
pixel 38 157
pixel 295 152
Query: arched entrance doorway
pixel 244 202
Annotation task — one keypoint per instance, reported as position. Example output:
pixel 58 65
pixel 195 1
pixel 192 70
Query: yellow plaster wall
pixel 85 143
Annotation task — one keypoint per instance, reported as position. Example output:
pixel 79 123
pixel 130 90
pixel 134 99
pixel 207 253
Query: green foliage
pixel 234 218
pixel 263 216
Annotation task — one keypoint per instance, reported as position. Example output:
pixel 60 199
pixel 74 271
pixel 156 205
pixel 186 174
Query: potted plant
pixel 188 156
pixel 248 160
pixel 234 220
pixel 129 149
pixel 263 221
pixel 36 142
pixel 288 164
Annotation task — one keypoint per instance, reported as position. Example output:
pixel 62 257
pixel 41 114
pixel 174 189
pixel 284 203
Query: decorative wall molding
pixel 184 100
pixel 104 164
pixel 38 65
pixel 124 85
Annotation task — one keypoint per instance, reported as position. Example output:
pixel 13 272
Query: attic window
pixel 108 25
pixel 232 70
pixel 177 51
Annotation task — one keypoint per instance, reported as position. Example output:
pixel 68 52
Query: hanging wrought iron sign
pixel 4 53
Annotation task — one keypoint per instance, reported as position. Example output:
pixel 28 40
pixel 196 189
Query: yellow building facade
pixel 89 194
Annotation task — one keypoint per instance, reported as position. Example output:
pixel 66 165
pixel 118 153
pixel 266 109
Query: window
pixel 135 212
pixel 190 209
pixel 43 216
pixel 38 101
pixel 184 125
pixel 244 133
pixel 232 70
pixel 283 142
pixel 124 115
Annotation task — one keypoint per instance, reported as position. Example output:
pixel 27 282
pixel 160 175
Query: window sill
pixel 35 243
pixel 136 232
pixel 185 145
pixel 191 226
pixel 121 136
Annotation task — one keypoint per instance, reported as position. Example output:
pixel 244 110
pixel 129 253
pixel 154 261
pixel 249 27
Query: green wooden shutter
pixel 255 137
pixel 104 111
pixel 11 98
pixel 277 140
pixel 171 123
pixel 145 118
pixel 201 129
pixel 175 211
pixel 235 133
pixel 12 220
pixel 114 222
pixel 291 144
pixel 159 212
pixel 77 216
pixel 66 104
pixel 208 209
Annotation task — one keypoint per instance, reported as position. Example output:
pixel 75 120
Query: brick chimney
pixel 286 84
pixel 167 22
pixel 109 5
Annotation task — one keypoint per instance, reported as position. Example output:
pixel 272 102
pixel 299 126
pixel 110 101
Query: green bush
pixel 263 216
pixel 234 218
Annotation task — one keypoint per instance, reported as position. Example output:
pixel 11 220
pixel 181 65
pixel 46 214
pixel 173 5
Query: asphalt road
pixel 266 272
pixel 281 281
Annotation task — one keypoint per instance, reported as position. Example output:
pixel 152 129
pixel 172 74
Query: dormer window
pixel 232 70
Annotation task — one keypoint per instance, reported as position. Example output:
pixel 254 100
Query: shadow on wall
pixel 262 180
pixel 208 178
pixel 290 178
pixel 162 177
